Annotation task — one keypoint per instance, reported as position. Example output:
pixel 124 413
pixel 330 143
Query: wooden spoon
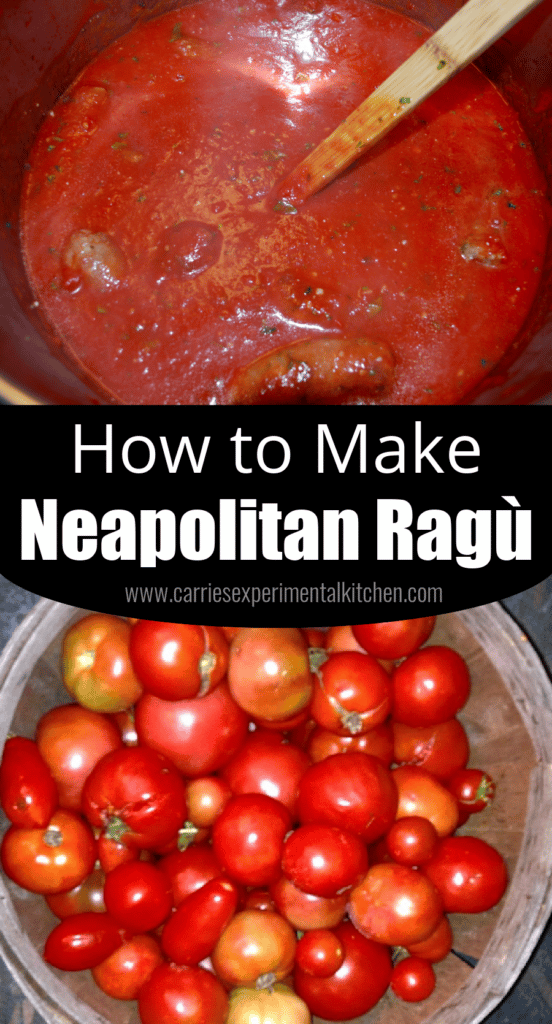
pixel 460 40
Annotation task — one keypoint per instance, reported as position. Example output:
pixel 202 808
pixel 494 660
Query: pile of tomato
pixel 251 824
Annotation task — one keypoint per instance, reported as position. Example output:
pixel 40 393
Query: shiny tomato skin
pixel 182 995
pixel 192 932
pixel 319 952
pixel 265 763
pixel 82 941
pixel 138 896
pixel 268 672
pixel 198 735
pixel 437 946
pixel 72 740
pixel 352 693
pixel 254 943
pixel 248 838
pixel 167 658
pixel 206 797
pixel 377 741
pixel 28 792
pixel 411 841
pixel 394 905
pixel 342 638
pixel 87 895
pixel 469 873
pixel 324 859
pixel 357 985
pixel 187 870
pixel 96 666
pixel 138 792
pixel 353 791
pixel 122 974
pixel 422 795
pixel 473 788
pixel 305 911
pixel 413 979
pixel 441 749
pixel 430 686
pixel 50 860
pixel 394 640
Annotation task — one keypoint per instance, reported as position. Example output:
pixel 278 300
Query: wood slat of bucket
pixel 469 32
pixel 508 719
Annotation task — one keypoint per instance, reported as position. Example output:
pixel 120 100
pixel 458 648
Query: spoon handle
pixel 460 40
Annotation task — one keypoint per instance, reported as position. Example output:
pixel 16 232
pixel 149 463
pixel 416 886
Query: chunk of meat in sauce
pixel 189 248
pixel 94 256
pixel 316 371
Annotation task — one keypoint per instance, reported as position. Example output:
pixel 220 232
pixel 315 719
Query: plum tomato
pixel 473 788
pixel 319 952
pixel 28 792
pixel 269 673
pixel 422 795
pixel 437 946
pixel 430 686
pixel 354 791
pixel 265 763
pixel 411 841
pixel 182 995
pixel 441 749
pixel 394 640
pixel 413 979
pixel 82 941
pixel 198 735
pixel 255 943
pixel 248 838
pixel 377 741
pixel 469 873
pixel 305 911
pixel 137 795
pixel 72 739
pixel 122 974
pixel 138 896
pixel 323 859
pixel 87 895
pixel 52 859
pixel 394 905
pixel 192 932
pixel 352 693
pixel 175 661
pixel 96 666
pixel 357 985
pixel 187 870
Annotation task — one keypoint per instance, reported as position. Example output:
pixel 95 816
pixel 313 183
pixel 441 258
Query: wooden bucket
pixel 509 723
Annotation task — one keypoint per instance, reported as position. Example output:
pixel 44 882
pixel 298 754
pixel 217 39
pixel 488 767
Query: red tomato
pixel 473 788
pixel 187 870
pixel 265 763
pixel 192 932
pixel 258 899
pixel 342 638
pixel 49 860
pixel 411 841
pixel 324 860
pixel 378 741
pixel 441 749
pixel 199 735
pixel 356 986
pixel 111 852
pixel 437 946
pixel 314 637
pixel 319 952
pixel 353 791
pixel 394 905
pixel 394 640
pixel 96 666
pixel 254 943
pixel 469 873
pixel 305 911
pixel 136 794
pixel 206 798
pixel 430 686
pixel 413 979
pixel 28 792
pixel 175 661
pixel 123 973
pixel 268 672
pixel 87 895
pixel 138 896
pixel 72 739
pixel 421 795
pixel 352 693
pixel 248 838
pixel 82 941
pixel 182 995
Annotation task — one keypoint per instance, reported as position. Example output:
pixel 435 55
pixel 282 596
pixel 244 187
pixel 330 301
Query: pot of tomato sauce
pixel 144 262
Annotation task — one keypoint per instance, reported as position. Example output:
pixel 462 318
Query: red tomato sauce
pixel 154 247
